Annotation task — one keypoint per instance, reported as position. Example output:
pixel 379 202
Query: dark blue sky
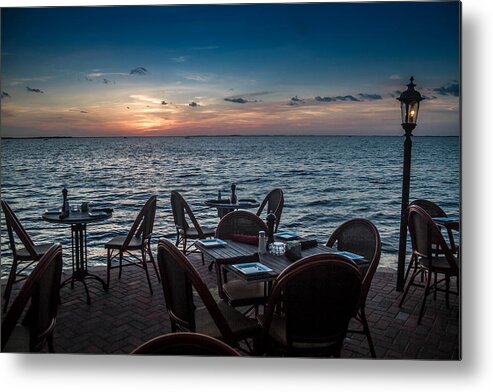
pixel 261 53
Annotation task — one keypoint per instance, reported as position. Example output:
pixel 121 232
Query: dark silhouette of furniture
pixel 236 292
pixel 41 292
pixel 273 202
pixel 360 236
pixel 426 239
pixel 135 247
pixel 317 295
pixel 184 231
pixel 78 221
pixel 216 319
pixel 186 343
pixel 22 258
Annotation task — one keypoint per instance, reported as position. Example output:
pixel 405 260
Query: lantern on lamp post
pixel 410 100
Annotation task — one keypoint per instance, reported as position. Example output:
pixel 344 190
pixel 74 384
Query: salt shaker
pixel 262 245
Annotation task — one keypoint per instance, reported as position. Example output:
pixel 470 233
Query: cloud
pixel 34 90
pixel 395 77
pixel 180 59
pixel 337 98
pixel 106 81
pixel 164 103
pixel 210 47
pixel 239 100
pixel 193 104
pixel 361 97
pixel 139 71
pixel 198 77
pixel 296 101
pixel 83 111
pixel 5 95
pixel 449 89
pixel 370 97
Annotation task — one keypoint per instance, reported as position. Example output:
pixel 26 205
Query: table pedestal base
pixel 79 260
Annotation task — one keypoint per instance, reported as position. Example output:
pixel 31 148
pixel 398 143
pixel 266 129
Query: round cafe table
pixel 224 206
pixel 78 222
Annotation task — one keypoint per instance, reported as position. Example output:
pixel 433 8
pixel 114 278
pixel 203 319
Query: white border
pixel 474 373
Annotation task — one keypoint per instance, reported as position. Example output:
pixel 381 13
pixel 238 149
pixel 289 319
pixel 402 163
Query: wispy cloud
pixel 193 104
pixel 139 71
pixel 197 77
pixel 337 98
pixel 98 74
pixel 370 97
pixel 107 81
pixel 5 95
pixel 395 77
pixel 34 90
pixel 210 47
pixel 296 101
pixel 180 59
pixel 449 89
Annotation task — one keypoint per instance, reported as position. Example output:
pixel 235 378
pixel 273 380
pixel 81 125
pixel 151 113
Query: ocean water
pixel 326 180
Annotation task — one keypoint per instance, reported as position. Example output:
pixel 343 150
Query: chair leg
pixel 49 340
pixel 120 255
pixel 427 291
pixel 108 268
pixel 366 330
pixel 411 265
pixel 144 264
pixel 151 257
pixel 436 287
pixel 10 283
pixel 411 280
pixel 447 291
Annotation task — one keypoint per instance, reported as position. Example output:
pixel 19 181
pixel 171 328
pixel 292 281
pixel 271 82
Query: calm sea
pixel 326 180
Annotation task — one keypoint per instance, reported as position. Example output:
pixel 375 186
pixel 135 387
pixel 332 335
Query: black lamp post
pixel 410 100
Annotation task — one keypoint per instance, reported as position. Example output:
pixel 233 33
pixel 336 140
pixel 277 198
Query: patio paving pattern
pixel 127 315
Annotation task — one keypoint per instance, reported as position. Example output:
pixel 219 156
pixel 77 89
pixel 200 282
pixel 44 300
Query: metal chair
pixel 23 258
pixel 138 239
pixel 317 295
pixel 216 319
pixel 434 211
pixel 274 201
pixel 186 343
pixel 424 236
pixel 184 231
pixel 41 291
pixel 360 236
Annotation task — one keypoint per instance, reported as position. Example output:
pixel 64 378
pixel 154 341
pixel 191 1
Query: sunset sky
pixel 257 69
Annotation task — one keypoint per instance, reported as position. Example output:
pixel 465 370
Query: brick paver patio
pixel 119 320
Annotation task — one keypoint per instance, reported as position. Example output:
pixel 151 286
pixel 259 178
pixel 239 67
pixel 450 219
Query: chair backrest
pixel 178 277
pixel 143 223
pixel 274 201
pixel 41 288
pixel 359 236
pixel 186 343
pixel 181 210
pixel 240 222
pixel 14 226
pixel 431 208
pixel 424 233
pixel 319 295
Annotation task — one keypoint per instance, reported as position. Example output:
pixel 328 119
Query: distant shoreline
pixel 201 136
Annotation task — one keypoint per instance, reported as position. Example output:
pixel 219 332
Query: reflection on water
pixel 326 180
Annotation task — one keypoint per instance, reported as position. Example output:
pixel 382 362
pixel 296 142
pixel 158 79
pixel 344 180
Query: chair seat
pixel 19 340
pixel 240 293
pixel 241 326
pixel 192 232
pixel 438 264
pixel 41 249
pixel 117 242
